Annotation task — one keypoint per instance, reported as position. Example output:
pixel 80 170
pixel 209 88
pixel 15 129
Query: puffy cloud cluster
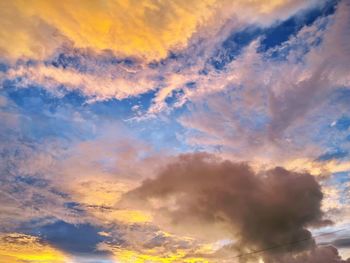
pixel 259 209
pixel 263 102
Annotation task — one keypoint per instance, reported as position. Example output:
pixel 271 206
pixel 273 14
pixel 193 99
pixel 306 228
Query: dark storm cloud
pixel 326 254
pixel 263 209
pixel 342 242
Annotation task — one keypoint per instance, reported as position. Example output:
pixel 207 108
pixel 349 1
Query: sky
pixel 173 131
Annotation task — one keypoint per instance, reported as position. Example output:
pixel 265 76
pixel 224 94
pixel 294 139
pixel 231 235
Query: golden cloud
pixel 145 28
pixel 15 248
pixel 126 255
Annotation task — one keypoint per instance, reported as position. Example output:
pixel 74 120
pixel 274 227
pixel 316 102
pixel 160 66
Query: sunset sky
pixel 174 131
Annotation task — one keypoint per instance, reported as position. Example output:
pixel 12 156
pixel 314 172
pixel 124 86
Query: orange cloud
pixel 142 28
pixel 15 248
pixel 126 255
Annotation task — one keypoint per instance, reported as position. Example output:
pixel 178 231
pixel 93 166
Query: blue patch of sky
pixel 43 115
pixel 233 46
pixel 32 180
pixel 341 96
pixel 163 132
pixel 340 99
pixel 332 141
pixel 331 131
pixel 35 99
pixel 343 123
pixel 49 116
pixel 270 37
pixel 121 109
pixel 3 67
pixel 333 155
pixel 340 181
pixel 68 116
pixel 281 32
pixel 76 239
pixel 174 97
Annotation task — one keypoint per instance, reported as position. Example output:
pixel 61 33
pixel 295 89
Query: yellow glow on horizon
pixel 159 254
pixel 99 192
pixel 128 256
pixel 267 8
pixel 123 216
pixel 17 248
pixel 100 198
pixel 317 167
pixel 131 216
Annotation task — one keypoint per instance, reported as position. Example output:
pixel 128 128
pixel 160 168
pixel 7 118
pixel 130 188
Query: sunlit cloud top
pixel 148 29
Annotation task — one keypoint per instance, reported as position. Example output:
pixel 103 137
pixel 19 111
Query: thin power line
pixel 287 244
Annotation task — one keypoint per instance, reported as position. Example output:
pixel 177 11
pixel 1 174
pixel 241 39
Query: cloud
pixel 252 107
pixel 314 84
pixel 125 255
pixel 17 248
pixel 94 85
pixel 342 242
pixel 259 210
pixel 144 28
pixel 324 254
pixel 127 31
